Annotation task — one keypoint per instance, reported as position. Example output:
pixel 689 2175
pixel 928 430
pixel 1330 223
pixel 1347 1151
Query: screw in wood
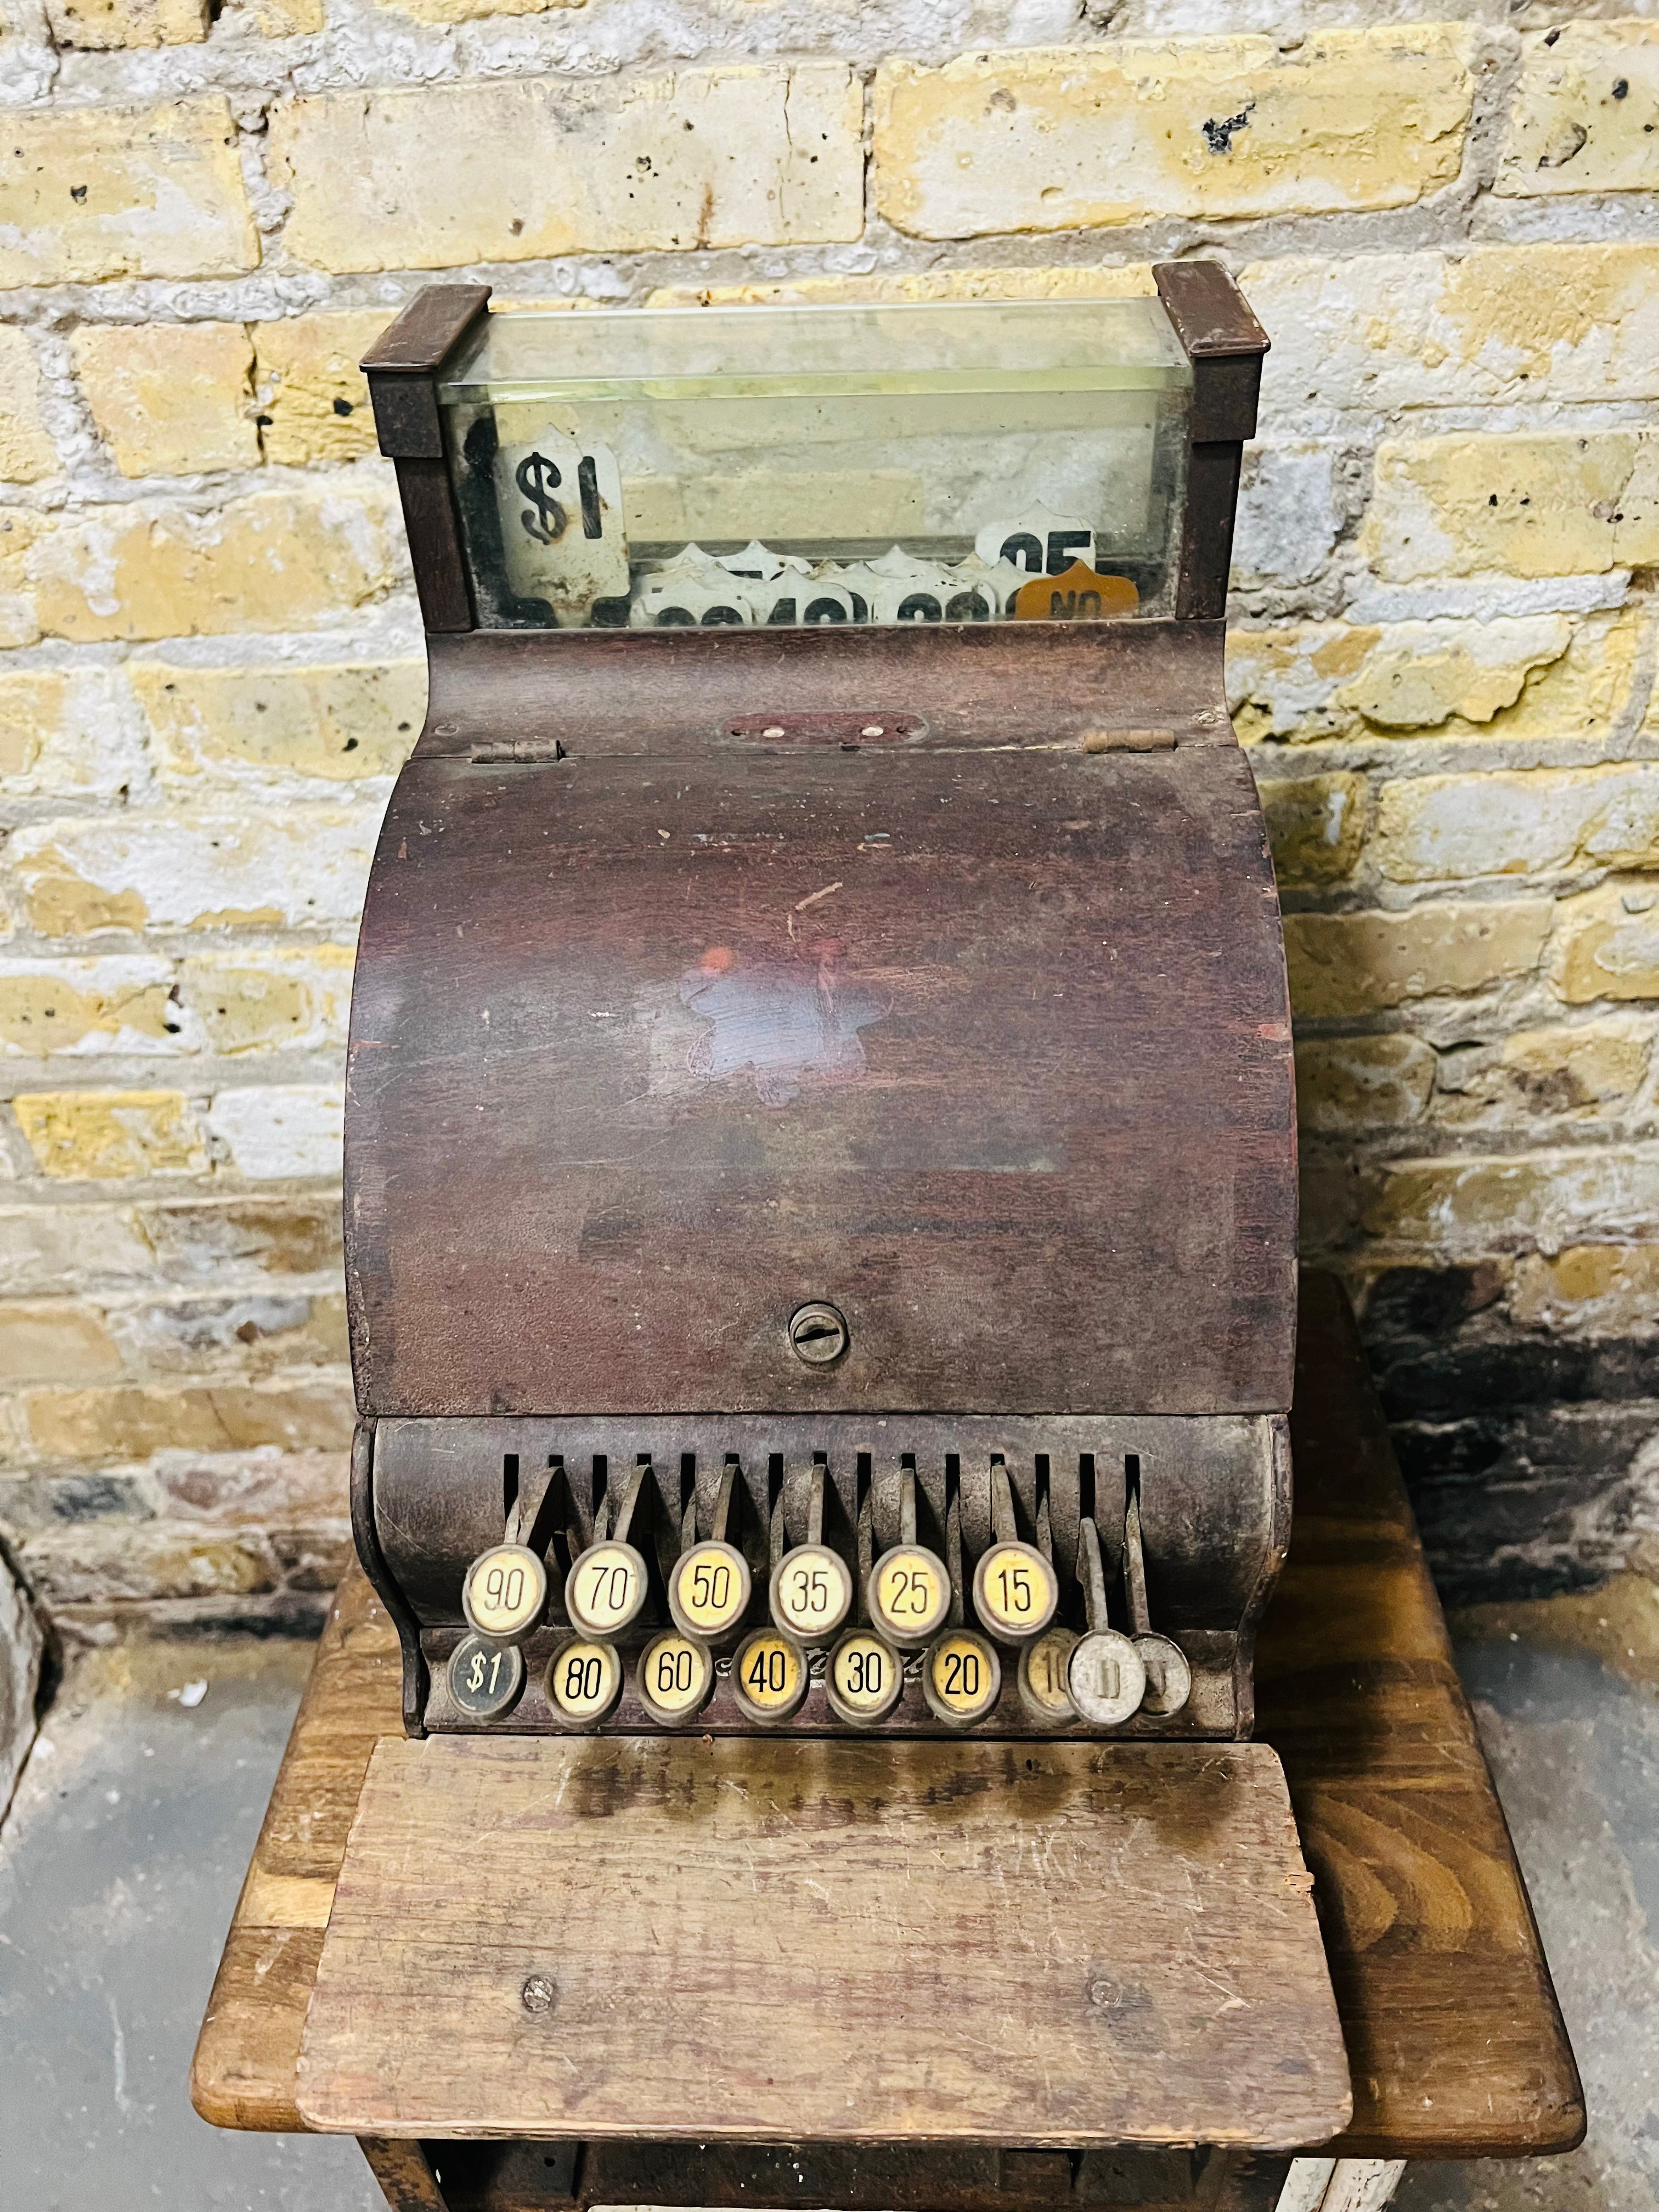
pixel 538 1994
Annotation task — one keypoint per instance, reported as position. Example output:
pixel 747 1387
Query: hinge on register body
pixel 511 752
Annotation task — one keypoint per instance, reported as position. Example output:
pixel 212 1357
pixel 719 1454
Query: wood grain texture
pixel 783 1939
pixel 647 1052
pixel 1455 2036
pixel 1358 1694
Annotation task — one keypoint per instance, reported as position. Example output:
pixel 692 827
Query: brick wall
pixel 1442 655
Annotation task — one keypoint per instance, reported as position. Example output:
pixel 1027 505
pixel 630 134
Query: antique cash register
pixel 820 1143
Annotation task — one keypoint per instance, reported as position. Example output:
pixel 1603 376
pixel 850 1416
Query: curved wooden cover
pixel 988 1046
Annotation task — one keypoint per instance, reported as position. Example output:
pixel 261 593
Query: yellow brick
pixel 1317 824
pixel 296 866
pixel 21 532
pixel 27 452
pixel 87 193
pixel 1547 677
pixel 93 1565
pixel 116 1004
pixel 313 399
pixel 1461 1205
pixel 1577 1072
pixel 1585 117
pixel 413 178
pixel 264 725
pixel 1358 963
pixel 261 1002
pixel 54 1341
pixel 1512 323
pixel 102 23
pixel 108 1134
pixel 1345 1084
pixel 258 1331
pixel 1579 1066
pixel 1540 504
pixel 170 397
pixel 1606 944
pixel 904 287
pixel 279 560
pixel 467 11
pixel 1439 828
pixel 277 19
pixel 64 730
pixel 1056 138
pixel 1611 1289
pixel 133 1423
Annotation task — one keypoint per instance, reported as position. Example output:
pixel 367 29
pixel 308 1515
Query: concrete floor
pixel 123 1853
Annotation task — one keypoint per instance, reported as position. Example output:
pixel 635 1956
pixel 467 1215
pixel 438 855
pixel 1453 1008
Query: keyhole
pixel 817 1334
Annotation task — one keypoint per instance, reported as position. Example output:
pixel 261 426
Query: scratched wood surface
pixel 798 1939
pixel 1455 2042
pixel 947 1038
pixel 1454 2038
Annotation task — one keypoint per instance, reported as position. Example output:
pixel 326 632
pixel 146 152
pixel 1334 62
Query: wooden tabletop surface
pixel 1454 2040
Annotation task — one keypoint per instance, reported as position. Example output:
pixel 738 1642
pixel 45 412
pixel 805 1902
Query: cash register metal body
pixel 820 1169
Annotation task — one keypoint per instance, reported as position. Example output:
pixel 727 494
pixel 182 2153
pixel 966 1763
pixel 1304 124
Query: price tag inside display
pixel 1039 541
pixel 561 505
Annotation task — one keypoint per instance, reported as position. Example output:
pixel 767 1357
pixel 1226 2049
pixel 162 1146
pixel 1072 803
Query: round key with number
pixel 1043 1689
pixel 605 1589
pixel 909 1595
pixel 1016 1592
pixel 1169 1673
pixel 485 1678
pixel 768 1675
pixel 866 1679
pixel 708 1590
pixel 584 1682
pixel 505 1592
pixel 675 1678
pixel 1106 1678
pixel 812 1594
pixel 962 1677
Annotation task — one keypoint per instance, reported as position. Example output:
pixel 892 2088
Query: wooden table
pixel 1455 2039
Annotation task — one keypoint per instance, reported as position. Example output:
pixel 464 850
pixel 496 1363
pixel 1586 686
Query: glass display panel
pixel 709 468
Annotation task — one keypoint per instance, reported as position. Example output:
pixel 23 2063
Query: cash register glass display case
pixel 819 465
pixel 820 1148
